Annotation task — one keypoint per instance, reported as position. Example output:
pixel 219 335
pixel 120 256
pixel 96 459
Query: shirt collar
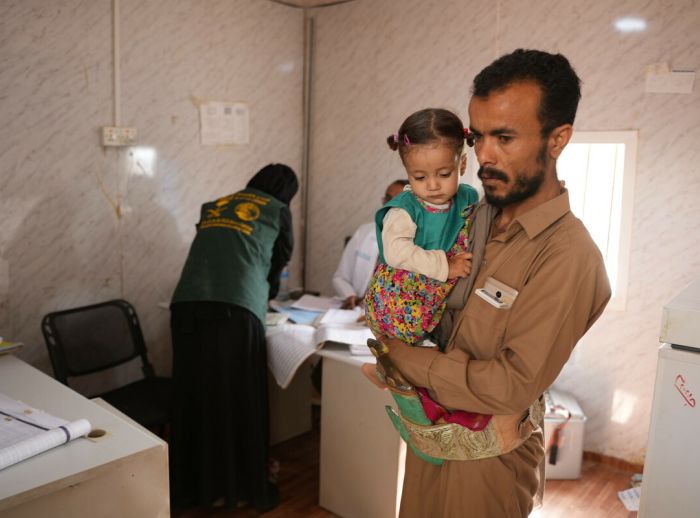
pixel 536 220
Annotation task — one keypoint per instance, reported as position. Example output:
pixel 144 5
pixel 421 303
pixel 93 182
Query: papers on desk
pixel 342 316
pixel 275 319
pixel 307 310
pixel 289 345
pixel 314 303
pixel 26 431
pixel 355 333
pixel 295 315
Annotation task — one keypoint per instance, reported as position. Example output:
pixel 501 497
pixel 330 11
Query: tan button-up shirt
pixel 499 361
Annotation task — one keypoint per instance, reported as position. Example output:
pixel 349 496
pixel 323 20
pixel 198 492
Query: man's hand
pixel 351 302
pixel 368 369
pixel 394 345
pixel 459 265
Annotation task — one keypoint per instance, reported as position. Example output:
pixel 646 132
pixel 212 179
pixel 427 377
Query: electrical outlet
pixel 118 136
pixel 129 136
pixel 109 136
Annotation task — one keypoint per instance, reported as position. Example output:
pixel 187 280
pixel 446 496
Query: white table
pixel 289 348
pixel 123 474
pixel 362 455
pixel 290 408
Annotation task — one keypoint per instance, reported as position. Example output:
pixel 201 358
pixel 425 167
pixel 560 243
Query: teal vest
pixel 229 259
pixel 435 230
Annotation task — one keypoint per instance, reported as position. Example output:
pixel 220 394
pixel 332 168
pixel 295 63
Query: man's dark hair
pixel 560 86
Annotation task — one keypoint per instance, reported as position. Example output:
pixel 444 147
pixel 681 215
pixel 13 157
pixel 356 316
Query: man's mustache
pixel 490 173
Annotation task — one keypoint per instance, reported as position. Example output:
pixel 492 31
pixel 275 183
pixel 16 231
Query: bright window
pixel 598 168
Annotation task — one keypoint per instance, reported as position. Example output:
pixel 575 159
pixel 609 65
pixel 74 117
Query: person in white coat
pixel 360 257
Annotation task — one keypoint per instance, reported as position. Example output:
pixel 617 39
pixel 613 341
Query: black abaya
pixel 219 444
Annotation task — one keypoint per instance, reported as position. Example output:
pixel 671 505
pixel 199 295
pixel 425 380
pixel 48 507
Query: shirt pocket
pixel 482 329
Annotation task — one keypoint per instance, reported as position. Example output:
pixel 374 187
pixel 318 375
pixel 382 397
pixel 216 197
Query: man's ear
pixel 462 164
pixel 558 139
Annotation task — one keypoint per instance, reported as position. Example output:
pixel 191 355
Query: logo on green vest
pixel 247 211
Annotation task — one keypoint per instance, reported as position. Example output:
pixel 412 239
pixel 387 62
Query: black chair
pixel 94 338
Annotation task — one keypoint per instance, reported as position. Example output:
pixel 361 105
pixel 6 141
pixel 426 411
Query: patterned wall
pixel 376 62
pixel 62 243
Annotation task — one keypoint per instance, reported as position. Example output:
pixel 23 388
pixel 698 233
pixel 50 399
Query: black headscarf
pixel 277 180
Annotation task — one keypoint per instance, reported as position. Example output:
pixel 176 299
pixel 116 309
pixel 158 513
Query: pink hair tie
pixel 396 138
pixel 469 137
pixel 406 140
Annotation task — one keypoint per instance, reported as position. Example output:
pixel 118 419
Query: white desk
pixel 289 346
pixel 362 455
pixel 124 474
pixel 290 408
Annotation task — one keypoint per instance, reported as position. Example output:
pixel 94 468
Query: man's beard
pixel 523 187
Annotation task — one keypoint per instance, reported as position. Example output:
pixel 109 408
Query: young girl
pixel 422 232
pixel 422 235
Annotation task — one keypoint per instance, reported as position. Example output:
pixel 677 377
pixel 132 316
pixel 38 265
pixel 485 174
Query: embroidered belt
pixel 447 441
pixel 451 441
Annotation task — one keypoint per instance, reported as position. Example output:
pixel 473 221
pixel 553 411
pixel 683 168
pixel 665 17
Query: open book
pixel 288 345
pixel 26 431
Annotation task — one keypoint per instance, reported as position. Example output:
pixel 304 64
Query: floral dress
pixel 408 305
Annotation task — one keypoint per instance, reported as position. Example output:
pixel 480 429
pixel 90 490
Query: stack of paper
pixel 351 334
pixel 342 316
pixel 312 310
pixel 288 345
pixel 295 315
pixel 314 321
pixel 313 303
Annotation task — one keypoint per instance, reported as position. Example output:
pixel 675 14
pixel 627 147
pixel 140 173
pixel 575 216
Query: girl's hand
pixel 459 265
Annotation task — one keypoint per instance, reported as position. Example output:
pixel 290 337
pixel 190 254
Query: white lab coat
pixel 357 263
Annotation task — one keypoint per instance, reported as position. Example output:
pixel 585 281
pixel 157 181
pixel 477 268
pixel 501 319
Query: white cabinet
pixel 125 473
pixel 672 464
pixel 362 455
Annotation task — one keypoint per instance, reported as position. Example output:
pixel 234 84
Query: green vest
pixel 229 260
pixel 435 230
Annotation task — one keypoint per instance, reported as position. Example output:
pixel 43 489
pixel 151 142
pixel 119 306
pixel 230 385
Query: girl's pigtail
pixel 393 141
pixel 469 137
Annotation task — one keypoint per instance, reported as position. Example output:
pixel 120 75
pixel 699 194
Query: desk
pixel 290 408
pixel 362 455
pixel 122 474
pixel 289 346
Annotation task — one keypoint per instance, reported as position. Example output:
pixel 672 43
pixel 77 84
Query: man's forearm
pixel 413 362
